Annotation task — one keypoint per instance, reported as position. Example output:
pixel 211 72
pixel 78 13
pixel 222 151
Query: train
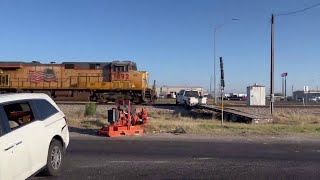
pixel 78 81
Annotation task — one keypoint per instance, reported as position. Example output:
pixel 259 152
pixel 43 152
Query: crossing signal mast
pixel 222 84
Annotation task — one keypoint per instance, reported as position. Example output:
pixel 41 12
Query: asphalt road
pixel 156 158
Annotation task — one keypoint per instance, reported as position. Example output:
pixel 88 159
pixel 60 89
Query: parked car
pixel 172 95
pixel 314 99
pixel 235 98
pixel 161 96
pixel 190 98
pixel 34 136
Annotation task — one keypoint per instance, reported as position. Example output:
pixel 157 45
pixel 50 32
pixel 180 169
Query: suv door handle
pixel 9 147
pixel 20 142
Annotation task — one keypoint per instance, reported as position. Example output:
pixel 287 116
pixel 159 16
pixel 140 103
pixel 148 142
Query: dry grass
pixel 296 119
pixel 284 124
pixel 79 120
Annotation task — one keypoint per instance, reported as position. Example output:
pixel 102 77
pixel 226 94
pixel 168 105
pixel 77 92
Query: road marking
pixel 131 162
pixel 203 158
pixel 35 177
pixel 158 162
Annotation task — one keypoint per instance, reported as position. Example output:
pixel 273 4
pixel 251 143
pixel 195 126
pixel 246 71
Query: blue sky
pixel 172 39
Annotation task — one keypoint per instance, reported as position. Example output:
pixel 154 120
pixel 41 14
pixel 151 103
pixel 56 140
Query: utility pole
pixel 222 107
pixel 210 92
pixel 272 51
pixel 214 70
pixel 272 67
pixel 285 88
pixel 284 85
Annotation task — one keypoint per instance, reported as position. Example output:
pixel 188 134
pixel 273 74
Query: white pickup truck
pixel 190 98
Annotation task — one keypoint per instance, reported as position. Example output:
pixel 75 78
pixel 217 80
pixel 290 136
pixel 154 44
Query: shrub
pixel 91 109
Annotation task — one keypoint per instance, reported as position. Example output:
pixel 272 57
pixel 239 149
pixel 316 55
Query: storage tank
pixel 256 95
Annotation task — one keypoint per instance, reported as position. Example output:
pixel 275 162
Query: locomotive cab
pixel 123 66
pixel 126 72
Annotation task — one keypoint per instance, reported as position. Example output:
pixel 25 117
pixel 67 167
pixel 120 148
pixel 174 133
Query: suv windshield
pixel 192 94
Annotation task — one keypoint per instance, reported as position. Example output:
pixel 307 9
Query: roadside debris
pixel 178 130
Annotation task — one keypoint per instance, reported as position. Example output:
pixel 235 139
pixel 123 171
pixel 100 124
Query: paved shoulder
pixel 144 158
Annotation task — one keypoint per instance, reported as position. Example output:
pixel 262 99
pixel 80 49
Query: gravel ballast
pixel 266 111
pixel 76 108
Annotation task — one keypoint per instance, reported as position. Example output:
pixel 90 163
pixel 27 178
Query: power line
pixel 298 11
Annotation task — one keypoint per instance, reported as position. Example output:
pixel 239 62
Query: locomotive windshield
pixel 120 69
pixel 124 66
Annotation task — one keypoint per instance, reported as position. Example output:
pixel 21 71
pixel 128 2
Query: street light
pixel 215 61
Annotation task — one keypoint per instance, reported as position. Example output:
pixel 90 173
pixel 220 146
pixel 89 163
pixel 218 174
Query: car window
pixel 45 109
pixel 192 94
pixel 1 128
pixel 4 125
pixel 18 114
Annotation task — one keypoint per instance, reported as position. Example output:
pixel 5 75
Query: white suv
pixel 33 136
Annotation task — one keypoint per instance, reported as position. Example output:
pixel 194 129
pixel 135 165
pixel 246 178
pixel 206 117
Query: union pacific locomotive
pixel 84 81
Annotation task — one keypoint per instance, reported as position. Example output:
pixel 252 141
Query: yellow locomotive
pixel 85 81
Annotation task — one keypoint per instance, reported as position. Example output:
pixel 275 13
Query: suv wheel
pixel 55 159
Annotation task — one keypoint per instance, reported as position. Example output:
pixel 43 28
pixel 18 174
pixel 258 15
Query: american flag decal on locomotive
pixel 47 75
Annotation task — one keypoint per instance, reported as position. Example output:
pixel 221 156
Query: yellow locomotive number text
pixel 120 76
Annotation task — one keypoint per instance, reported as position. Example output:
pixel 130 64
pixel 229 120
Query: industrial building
pixel 299 95
pixel 167 91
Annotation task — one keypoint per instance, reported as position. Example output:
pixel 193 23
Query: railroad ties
pixel 234 115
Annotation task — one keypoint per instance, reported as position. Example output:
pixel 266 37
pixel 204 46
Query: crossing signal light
pixel 222 73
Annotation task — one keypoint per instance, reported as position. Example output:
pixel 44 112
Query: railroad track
pixel 276 106
pixel 100 104
pixel 171 104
